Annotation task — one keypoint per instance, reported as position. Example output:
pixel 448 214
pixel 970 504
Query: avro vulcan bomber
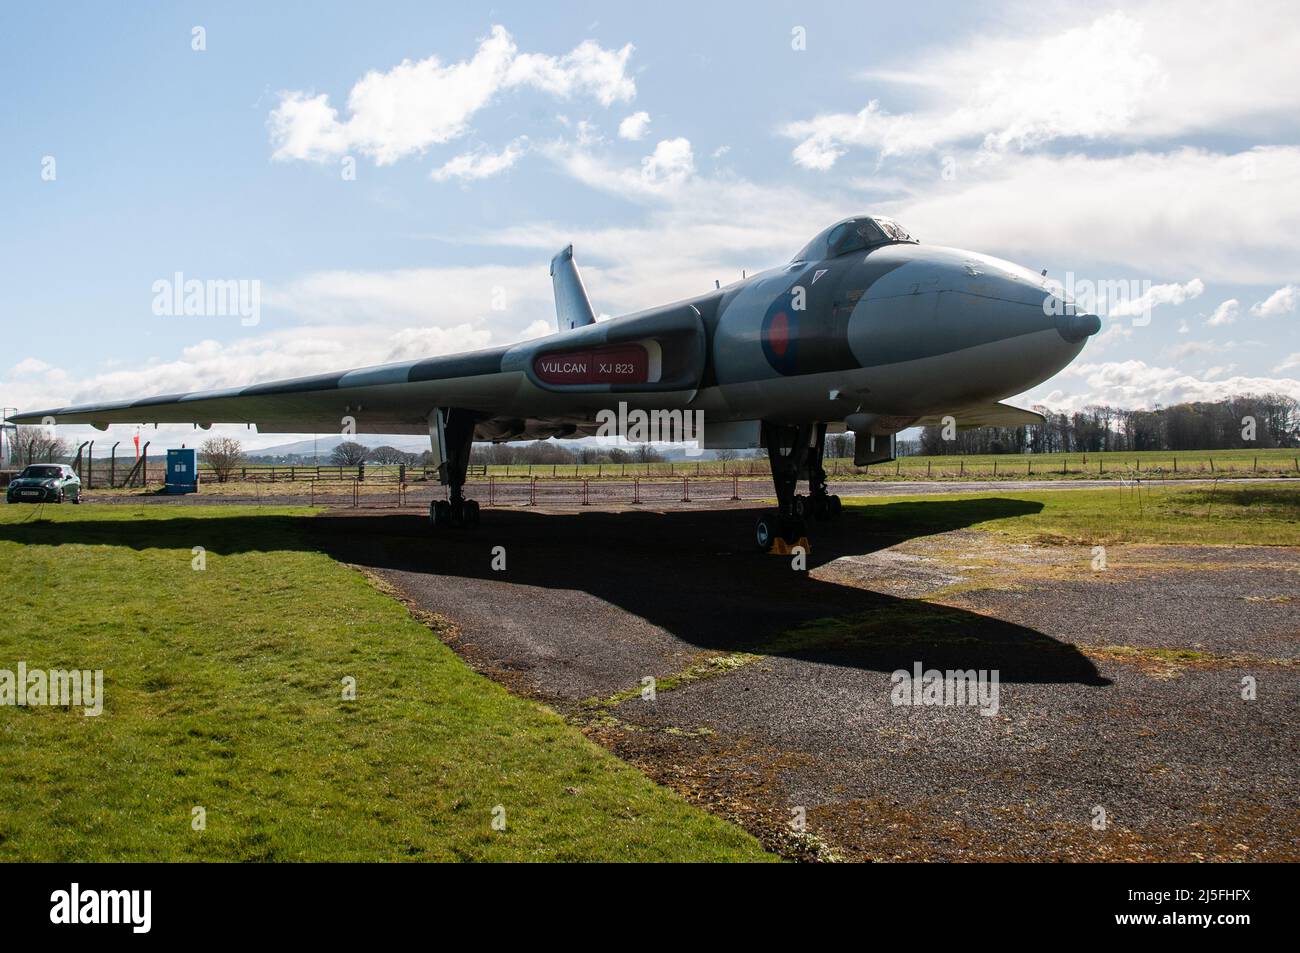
pixel 865 330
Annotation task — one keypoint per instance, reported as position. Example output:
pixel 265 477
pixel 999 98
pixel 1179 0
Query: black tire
pixel 836 508
pixel 470 512
pixel 821 507
pixel 440 514
pixel 59 498
pixel 76 500
pixel 802 507
pixel 765 532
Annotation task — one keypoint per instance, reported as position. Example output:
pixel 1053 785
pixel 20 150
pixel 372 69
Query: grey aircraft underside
pixel 865 330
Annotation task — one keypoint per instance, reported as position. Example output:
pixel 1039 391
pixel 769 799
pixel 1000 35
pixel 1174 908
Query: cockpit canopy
pixel 853 234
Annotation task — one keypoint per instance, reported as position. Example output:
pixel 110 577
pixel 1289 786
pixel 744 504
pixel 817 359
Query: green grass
pixel 223 690
pixel 1042 466
pixel 1265 515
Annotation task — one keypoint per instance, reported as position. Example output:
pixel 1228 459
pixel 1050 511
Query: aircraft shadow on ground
pixel 686 571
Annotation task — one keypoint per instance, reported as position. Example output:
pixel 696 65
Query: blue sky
pixel 672 143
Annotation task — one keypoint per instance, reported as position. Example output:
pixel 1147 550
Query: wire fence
pixel 101 473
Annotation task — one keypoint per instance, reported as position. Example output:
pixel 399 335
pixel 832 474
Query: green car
pixel 45 483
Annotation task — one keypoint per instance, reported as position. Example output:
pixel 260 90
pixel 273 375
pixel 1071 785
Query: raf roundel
pixel 779 336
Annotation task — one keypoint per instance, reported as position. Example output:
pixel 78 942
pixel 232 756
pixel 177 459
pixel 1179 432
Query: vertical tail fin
pixel 572 309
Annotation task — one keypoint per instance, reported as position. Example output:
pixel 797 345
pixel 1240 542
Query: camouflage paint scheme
pixel 892 335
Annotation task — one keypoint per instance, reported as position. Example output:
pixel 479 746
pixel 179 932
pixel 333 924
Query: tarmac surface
pixel 1120 730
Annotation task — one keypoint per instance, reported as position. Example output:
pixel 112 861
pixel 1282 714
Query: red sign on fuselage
pixel 617 364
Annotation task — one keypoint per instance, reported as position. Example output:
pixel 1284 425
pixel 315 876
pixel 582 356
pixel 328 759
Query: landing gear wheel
pixel 440 514
pixel 765 531
pixel 826 507
pixel 469 512
pixel 802 506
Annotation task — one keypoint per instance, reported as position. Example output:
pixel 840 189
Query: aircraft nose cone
pixel 1076 327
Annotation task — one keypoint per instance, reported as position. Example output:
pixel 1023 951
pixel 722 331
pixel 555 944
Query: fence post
pixel 735 486
pixel 636 489
pixel 586 500
pixel 686 489
pixel 532 491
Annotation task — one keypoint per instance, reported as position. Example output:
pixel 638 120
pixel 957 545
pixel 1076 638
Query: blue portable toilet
pixel 182 471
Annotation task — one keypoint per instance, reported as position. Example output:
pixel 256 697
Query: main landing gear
pixel 795 452
pixel 451 432
pixel 444 514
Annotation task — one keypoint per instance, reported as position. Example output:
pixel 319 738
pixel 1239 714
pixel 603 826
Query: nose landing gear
pixel 795 452
pixel 445 514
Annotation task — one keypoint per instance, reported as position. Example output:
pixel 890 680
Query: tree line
pixel 1249 421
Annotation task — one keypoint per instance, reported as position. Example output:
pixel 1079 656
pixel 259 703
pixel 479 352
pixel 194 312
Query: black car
pixel 45 483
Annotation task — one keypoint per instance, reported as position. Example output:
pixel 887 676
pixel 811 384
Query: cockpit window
pixel 853 234
pixel 895 231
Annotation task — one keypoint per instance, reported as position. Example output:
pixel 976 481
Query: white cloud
pixel 588 69
pixel 634 126
pixel 496 294
pixel 1213 372
pixel 1149 72
pixel 671 162
pixel 1183 211
pixel 1005 92
pixel 28 366
pixel 470 166
pixel 1290 361
pixel 416 105
pixel 1225 313
pixel 660 175
pixel 537 329
pixel 1188 348
pixel 1137 384
pixel 1118 332
pixel 1157 295
pixel 1282 301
